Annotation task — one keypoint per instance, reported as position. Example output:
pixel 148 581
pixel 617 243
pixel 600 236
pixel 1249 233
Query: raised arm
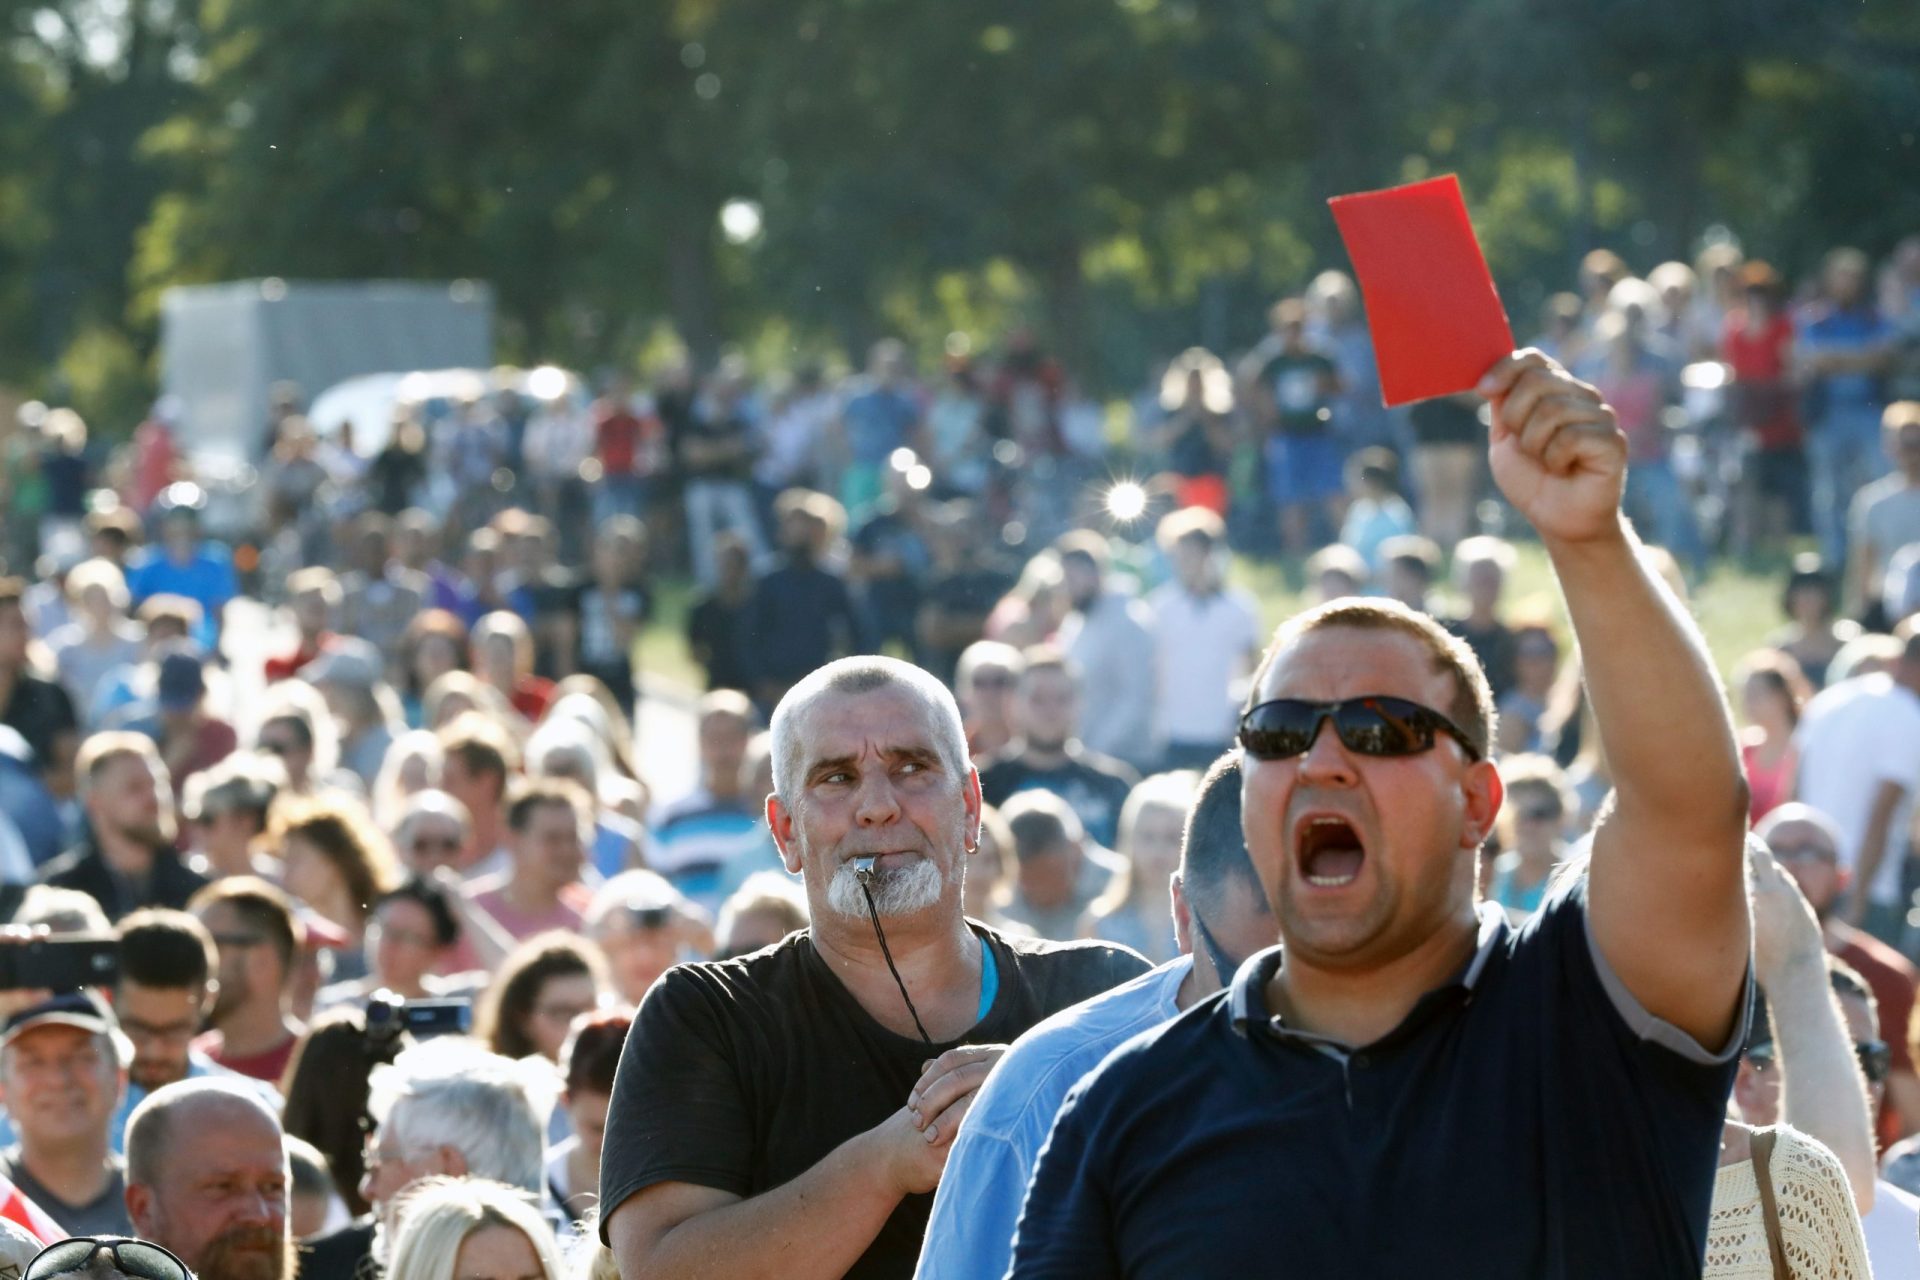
pixel 1821 1090
pixel 1667 894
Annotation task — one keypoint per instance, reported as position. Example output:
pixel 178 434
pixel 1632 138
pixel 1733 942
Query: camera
pixel 388 1015
pixel 60 964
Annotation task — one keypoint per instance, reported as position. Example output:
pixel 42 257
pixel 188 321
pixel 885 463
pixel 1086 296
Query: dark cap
pixel 84 1010
pixel 183 678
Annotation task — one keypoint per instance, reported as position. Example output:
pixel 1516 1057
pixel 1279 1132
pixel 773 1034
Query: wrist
pixel 877 1161
pixel 1609 537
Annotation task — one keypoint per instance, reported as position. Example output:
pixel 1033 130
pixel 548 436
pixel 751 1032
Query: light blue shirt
pixel 970 1234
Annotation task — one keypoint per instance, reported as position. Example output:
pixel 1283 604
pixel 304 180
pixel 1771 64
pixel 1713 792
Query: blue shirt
pixel 878 420
pixel 207 578
pixel 970 1234
pixel 1528 1118
pixel 1833 329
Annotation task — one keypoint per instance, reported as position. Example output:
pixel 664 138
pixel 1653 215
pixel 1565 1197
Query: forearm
pixel 817 1225
pixel 1821 1089
pixel 1873 851
pixel 1662 718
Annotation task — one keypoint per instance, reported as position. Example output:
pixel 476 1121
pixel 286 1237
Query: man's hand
pixel 1785 931
pixel 1556 451
pixel 914 1141
pixel 946 1088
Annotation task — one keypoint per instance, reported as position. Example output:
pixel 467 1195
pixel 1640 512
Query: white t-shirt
pixel 1853 737
pixel 1893 1233
pixel 1202 647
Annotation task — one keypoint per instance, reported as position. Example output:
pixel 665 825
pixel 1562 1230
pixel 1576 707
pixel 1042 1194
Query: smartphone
pixel 60 964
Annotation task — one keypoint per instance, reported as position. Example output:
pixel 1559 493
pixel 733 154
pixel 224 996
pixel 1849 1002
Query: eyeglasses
pixel 1540 814
pixel 239 939
pixel 137 1258
pixel 1875 1056
pixel 420 843
pixel 1372 725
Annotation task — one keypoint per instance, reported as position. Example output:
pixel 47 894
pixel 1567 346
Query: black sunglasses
pixel 134 1257
pixel 1372 725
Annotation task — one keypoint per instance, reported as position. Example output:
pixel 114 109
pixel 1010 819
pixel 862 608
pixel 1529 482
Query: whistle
pixel 863 869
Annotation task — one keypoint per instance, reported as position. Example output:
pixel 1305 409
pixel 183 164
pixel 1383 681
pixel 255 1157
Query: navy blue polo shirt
pixel 1529 1119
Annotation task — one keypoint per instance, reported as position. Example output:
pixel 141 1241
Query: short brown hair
pixel 264 906
pixel 538 793
pixel 102 749
pixel 481 745
pixel 1472 705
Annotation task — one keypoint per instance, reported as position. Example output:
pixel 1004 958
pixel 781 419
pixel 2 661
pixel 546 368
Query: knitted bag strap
pixel 1762 1173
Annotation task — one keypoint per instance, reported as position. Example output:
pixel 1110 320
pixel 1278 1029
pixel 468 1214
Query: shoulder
pixel 1046 1061
pixel 1098 965
pixel 1106 767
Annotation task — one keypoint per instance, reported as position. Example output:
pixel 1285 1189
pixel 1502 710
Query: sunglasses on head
pixel 1371 725
pixel 133 1257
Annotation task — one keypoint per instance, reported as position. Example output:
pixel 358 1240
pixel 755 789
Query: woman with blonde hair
pixel 471 1228
pixel 1138 910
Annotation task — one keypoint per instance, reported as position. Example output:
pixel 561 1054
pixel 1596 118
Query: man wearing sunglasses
pixel 1416 1084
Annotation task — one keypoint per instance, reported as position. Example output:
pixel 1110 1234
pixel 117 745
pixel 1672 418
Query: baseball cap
pixel 349 661
pixel 183 680
pixel 84 1010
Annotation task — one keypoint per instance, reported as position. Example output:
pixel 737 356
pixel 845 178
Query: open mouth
pixel 1330 851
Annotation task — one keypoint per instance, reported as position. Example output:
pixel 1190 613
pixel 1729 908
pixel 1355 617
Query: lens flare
pixel 1126 501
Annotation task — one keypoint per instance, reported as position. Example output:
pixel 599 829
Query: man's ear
pixel 140 1208
pixel 1484 792
pixel 451 1162
pixel 974 803
pixel 1182 914
pixel 780 823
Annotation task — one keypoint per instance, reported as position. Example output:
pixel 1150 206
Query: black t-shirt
pixel 1094 787
pixel 717 634
pixel 1527 1119
pixel 41 711
pixel 1301 383
pixel 743 1074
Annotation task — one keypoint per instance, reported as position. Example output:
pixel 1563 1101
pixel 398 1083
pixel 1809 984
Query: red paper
pixel 1436 321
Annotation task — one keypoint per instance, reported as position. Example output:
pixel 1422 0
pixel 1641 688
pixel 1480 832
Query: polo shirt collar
pixel 1248 998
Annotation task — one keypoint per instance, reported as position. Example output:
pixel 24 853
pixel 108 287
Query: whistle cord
pixel 874 912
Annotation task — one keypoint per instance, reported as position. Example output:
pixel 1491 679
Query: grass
pixel 1737 606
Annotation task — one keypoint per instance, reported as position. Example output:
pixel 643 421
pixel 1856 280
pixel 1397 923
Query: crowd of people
pixel 422 974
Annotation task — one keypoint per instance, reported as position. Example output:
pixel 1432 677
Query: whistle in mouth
pixel 863 868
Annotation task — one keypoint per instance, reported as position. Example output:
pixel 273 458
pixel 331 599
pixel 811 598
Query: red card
pixel 1436 321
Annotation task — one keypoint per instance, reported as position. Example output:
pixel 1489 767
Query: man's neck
pixel 530 895
pixel 938 958
pixel 1035 756
pixel 722 792
pixel 1358 1007
pixel 486 834
pixel 252 1030
pixel 123 853
pixel 77 1172
pixel 1201 981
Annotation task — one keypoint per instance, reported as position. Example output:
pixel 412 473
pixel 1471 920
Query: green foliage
pixel 1126 175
